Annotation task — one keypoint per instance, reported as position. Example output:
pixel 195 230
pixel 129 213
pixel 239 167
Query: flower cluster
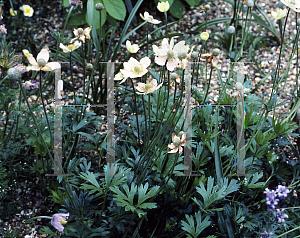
pixel 266 234
pixel 279 215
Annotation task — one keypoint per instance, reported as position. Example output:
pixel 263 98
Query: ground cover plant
pixel 154 138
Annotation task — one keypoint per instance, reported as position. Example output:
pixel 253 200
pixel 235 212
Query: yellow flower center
pixel 71 46
pixel 137 69
pixel 27 10
pixel 62 221
pixel 148 85
pixel 41 62
pixel 170 54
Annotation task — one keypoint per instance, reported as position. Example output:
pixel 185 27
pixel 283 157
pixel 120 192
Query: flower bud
pixel 207 7
pixel 89 67
pixel 182 55
pixel 80 31
pixel 173 76
pixel 13 74
pixel 250 3
pixel 216 52
pixel 99 6
pixel 194 55
pixel 204 36
pixel 231 30
pixel 181 133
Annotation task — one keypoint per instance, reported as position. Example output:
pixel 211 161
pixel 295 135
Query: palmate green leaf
pixel 253 183
pixel 126 200
pixel 193 3
pixel 115 8
pixel 143 196
pixel 190 226
pixel 217 192
pixel 90 177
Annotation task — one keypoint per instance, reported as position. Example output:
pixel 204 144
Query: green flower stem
pixel 18 116
pixel 244 36
pixel 72 78
pixel 84 76
pixel 147 39
pixel 63 32
pixel 166 22
pixel 158 138
pixel 146 137
pixel 42 98
pixel 291 57
pixel 149 111
pixel 33 117
pixel 136 111
pixel 297 62
pixel 207 86
pixel 282 43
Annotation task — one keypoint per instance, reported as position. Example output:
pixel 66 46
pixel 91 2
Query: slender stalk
pixel 136 112
pixel 166 22
pixel 34 120
pixel 207 86
pixel 15 136
pixel 42 98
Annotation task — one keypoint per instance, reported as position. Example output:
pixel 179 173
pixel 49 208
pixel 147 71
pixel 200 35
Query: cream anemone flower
pixel 134 68
pixel 41 62
pixel 211 59
pixel 70 47
pixel 204 36
pixel 147 17
pixel 163 6
pixel 292 4
pixel 12 12
pixel 120 76
pixel 280 13
pixel 27 10
pixel 177 142
pixel 184 56
pixel 149 87
pixel 132 48
pixel 25 52
pixel 168 52
pixel 82 34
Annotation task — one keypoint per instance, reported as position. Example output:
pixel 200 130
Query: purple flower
pixel 270 197
pixel 279 216
pixel 21 68
pixel 59 219
pixel 30 86
pixel 282 192
pixel 265 234
pixel 75 3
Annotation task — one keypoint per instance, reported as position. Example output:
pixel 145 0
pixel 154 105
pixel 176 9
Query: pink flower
pixel 59 219
pixel 168 52
pixel 3 29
